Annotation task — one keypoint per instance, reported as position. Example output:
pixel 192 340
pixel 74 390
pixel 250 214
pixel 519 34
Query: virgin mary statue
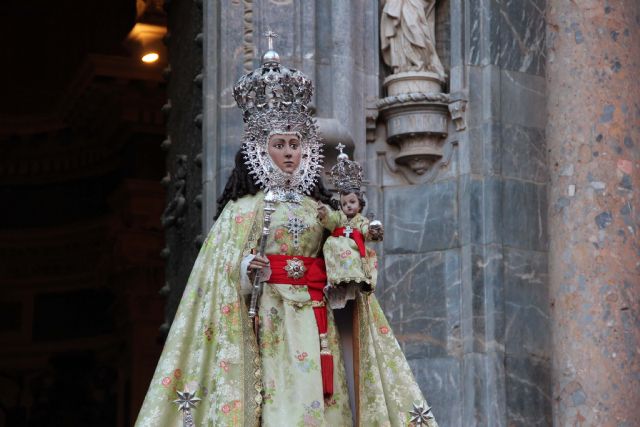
pixel 287 368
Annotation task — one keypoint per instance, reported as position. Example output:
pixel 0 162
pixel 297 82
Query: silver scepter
pixel 256 289
pixel 186 401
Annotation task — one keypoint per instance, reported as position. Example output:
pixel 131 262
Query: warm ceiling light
pixel 150 57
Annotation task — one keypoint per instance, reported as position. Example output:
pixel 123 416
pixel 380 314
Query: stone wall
pixel 465 280
pixel 503 177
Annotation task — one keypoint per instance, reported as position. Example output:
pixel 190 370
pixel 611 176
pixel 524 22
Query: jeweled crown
pixel 272 86
pixel 274 100
pixel 346 175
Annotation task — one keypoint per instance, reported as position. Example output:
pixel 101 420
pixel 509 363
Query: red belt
pixel 356 236
pixel 299 270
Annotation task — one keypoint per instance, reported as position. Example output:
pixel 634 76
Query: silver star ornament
pixel 186 400
pixel 421 413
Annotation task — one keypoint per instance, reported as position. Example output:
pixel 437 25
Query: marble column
pixel 593 136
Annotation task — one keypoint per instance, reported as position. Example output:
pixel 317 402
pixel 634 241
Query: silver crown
pixel 272 86
pixel 274 100
pixel 346 175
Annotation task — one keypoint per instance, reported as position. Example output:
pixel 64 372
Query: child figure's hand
pixel 322 210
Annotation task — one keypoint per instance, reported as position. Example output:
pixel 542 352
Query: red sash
pixel 287 270
pixel 356 236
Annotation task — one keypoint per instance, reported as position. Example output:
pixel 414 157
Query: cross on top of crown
pixel 270 35
pixel 340 147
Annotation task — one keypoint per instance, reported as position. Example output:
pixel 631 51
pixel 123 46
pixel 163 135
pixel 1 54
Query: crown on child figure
pixel 346 175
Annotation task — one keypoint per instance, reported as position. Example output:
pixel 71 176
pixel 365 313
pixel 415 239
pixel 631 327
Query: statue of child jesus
pixel 350 265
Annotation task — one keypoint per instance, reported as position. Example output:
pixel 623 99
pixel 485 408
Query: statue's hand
pixel 257 264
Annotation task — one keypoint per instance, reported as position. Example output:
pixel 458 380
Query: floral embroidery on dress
pixel 231 412
pixel 312 416
pixel 271 333
pixel 345 254
pixel 269 391
pixel 208 332
pixel 305 364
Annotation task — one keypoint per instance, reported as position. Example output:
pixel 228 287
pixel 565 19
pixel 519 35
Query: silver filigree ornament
pixel 295 226
pixel 295 268
pixel 346 175
pixel 421 413
pixel 274 100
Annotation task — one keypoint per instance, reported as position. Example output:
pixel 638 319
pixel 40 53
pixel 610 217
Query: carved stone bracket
pixel 457 108
pixel 418 129
pixel 416 115
pixel 371 119
pixel 431 170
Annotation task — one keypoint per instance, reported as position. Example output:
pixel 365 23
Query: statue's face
pixel 350 204
pixel 285 151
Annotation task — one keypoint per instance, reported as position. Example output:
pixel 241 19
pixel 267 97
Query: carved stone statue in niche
pixel 407 36
pixel 414 109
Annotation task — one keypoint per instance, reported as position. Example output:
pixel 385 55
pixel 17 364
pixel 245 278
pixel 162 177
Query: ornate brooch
pixel 295 268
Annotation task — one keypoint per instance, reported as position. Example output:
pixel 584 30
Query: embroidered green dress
pixel 211 348
pixel 342 257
